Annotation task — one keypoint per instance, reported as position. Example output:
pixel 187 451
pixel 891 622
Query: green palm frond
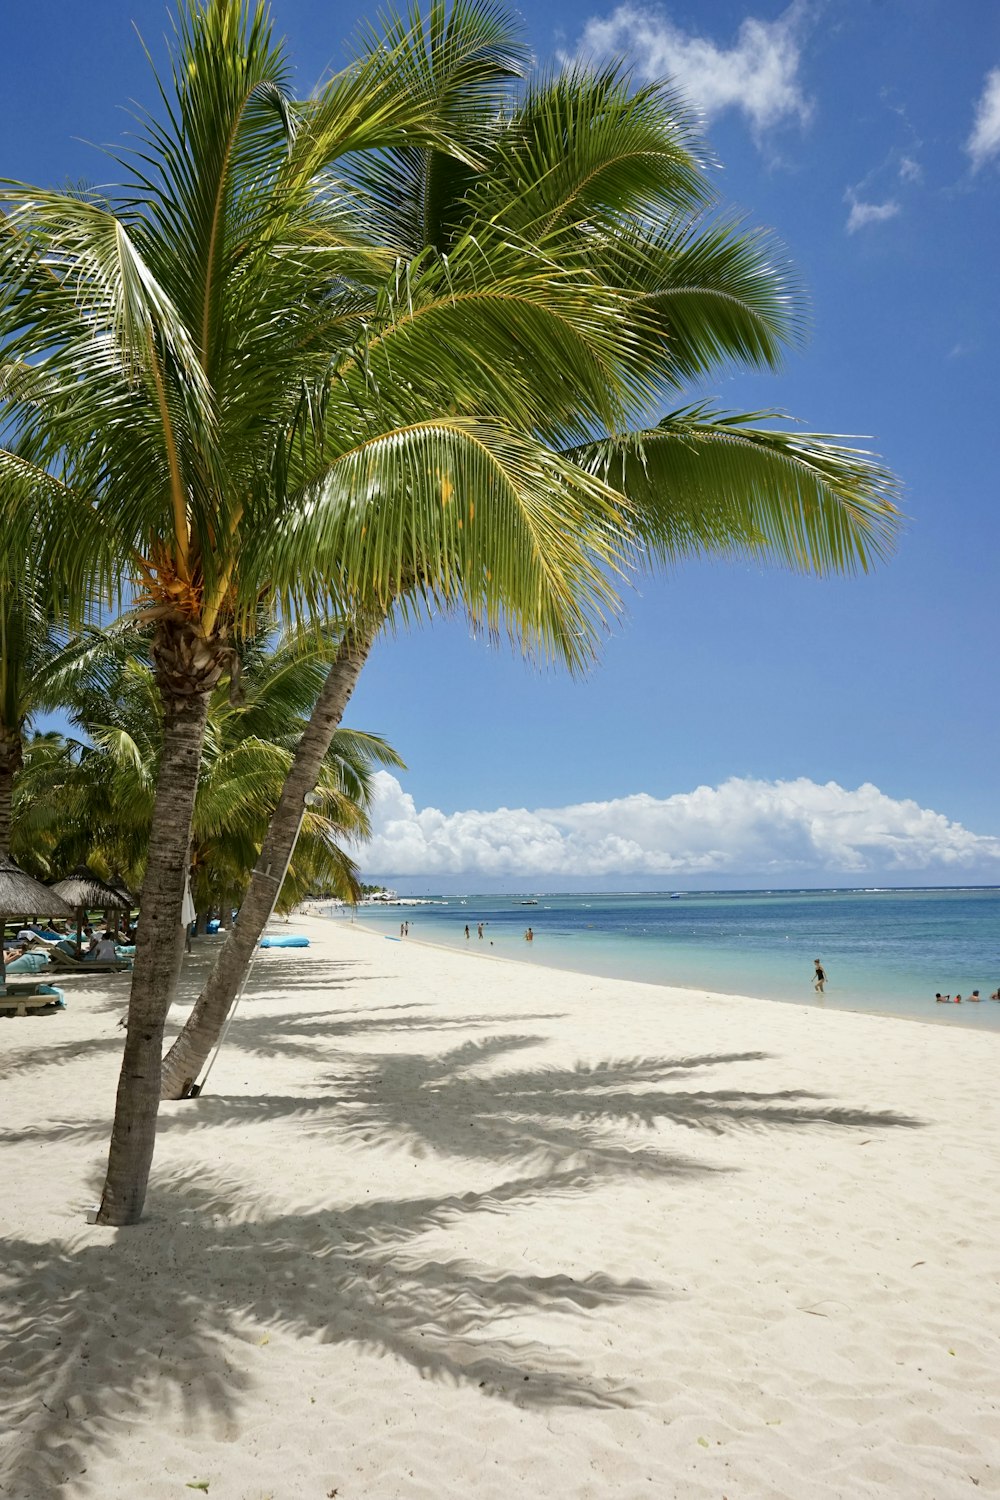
pixel 720 292
pixel 467 58
pixel 709 482
pixel 325 867
pixel 499 327
pixel 590 147
pixel 350 761
pixel 457 512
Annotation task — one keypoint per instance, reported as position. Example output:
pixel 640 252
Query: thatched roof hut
pixel 23 896
pixel 83 890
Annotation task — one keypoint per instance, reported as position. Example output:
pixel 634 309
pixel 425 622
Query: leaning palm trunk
pixel 187 669
pixel 190 1051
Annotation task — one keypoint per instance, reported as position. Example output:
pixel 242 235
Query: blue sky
pixel 866 134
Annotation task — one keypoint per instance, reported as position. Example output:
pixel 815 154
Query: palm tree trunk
pixel 187 669
pixel 190 1051
pixel 11 759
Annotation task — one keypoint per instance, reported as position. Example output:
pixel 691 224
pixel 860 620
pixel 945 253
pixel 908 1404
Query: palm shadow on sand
pixel 586 1116
pixel 99 1324
pixel 97 1327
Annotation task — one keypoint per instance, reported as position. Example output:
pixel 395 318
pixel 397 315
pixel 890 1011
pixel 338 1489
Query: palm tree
pixel 40 806
pixel 91 801
pixel 582 180
pixel 27 645
pixel 262 388
pixel 41 669
pixel 168 356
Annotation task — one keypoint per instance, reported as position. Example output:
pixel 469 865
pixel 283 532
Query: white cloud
pixel 984 141
pixel 868 213
pixel 910 170
pixel 744 827
pixel 758 74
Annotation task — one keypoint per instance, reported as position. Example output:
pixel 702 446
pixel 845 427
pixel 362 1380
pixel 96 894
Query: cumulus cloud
pixel 758 74
pixel 745 827
pixel 863 213
pixel 984 140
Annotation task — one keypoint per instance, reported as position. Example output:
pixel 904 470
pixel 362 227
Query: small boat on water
pixel 529 903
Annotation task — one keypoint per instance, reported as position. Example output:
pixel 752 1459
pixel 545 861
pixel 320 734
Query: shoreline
pixel 940 1018
pixel 439 1229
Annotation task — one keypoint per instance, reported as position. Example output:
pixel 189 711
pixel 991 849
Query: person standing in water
pixel 819 977
pixel 529 936
pixel 466 932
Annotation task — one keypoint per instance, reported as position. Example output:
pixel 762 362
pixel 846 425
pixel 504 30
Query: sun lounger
pixel 24 994
pixel 60 960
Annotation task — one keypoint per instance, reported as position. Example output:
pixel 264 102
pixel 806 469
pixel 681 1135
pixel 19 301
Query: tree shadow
pixel 274 972
pixel 58 1054
pixel 272 969
pixel 537 1119
pixel 289 1035
pixel 556 1117
pixel 99 1325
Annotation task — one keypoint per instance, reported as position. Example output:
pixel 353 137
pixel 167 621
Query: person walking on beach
pixel 819 978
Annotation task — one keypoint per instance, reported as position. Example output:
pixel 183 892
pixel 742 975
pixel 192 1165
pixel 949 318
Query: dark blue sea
pixel 884 950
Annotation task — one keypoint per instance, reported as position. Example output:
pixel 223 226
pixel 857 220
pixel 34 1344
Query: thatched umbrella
pixel 23 896
pixel 84 890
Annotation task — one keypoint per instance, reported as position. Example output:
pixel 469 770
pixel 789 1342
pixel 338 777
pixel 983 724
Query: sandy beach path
pixel 445 1226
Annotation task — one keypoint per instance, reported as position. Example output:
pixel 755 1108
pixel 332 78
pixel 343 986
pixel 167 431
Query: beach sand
pixel 447 1226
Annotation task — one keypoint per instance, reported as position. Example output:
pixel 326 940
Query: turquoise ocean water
pixel 887 951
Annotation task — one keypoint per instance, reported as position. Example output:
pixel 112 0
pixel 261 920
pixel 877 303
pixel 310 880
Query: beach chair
pixel 70 964
pixel 19 996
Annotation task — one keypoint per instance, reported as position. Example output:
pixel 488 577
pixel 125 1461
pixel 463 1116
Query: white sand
pixel 445 1226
